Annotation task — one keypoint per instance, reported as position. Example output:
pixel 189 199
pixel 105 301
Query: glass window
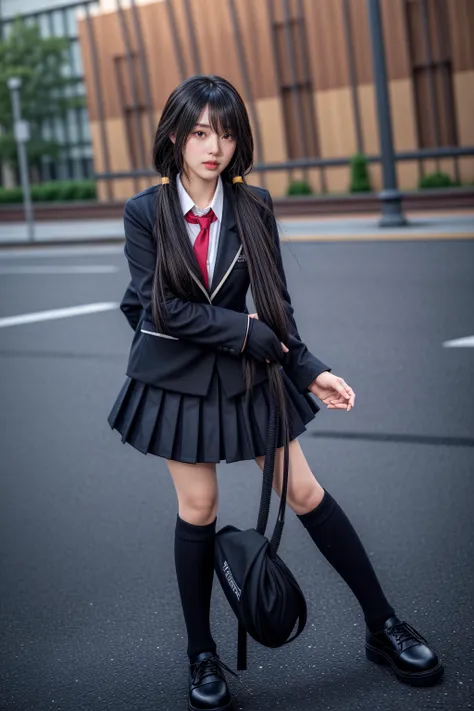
pixel 71 24
pixel 43 22
pixel 72 126
pixel 76 58
pixel 58 24
pixel 86 130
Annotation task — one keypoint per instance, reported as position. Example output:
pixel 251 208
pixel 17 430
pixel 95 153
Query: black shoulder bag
pixel 262 591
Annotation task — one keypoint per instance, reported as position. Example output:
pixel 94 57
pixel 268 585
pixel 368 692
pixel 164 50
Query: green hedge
pixel 299 187
pixel 57 190
pixel 360 177
pixel 437 180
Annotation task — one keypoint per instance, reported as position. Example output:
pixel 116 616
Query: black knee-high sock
pixel 194 560
pixel 337 540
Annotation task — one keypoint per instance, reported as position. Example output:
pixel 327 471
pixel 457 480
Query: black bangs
pixel 223 112
pixel 223 105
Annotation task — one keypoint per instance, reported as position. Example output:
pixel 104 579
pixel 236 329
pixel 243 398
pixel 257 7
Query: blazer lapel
pixel 229 247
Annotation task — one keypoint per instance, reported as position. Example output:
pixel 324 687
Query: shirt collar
pixel 188 204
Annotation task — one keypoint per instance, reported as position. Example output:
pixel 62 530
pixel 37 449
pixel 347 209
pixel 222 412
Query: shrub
pixel 436 180
pixel 66 191
pixel 57 190
pixel 11 195
pixel 360 178
pixel 48 191
pixel 86 190
pixel 299 187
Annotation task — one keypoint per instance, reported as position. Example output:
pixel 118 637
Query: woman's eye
pixel 199 134
pixel 228 136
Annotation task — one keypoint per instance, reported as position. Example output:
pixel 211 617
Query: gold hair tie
pixel 165 181
pixel 238 179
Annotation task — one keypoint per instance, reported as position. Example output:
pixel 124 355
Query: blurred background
pixel 95 76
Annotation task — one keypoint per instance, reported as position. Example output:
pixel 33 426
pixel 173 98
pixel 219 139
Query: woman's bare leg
pixel 304 491
pixel 196 490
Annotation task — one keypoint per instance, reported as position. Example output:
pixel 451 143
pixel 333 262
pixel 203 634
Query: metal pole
pixel 21 129
pixel 391 198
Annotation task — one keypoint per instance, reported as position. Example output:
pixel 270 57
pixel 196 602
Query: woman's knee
pixel 196 511
pixel 304 491
pixel 196 490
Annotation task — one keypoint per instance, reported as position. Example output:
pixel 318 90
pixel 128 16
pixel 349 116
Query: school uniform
pixel 184 395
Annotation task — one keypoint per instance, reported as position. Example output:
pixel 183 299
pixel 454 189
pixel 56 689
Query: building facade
pixel 304 68
pixel 56 18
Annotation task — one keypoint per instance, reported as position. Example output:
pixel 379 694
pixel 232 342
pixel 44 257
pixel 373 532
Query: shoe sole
pixel 427 678
pixel 229 707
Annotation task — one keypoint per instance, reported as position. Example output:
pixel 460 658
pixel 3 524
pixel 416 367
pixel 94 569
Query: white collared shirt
pixel 217 205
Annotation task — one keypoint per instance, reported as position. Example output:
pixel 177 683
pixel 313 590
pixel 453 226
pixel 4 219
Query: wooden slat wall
pixel 461 25
pixel 325 32
pixel 255 27
pixel 395 36
pixel 327 46
pixel 328 62
pixel 361 40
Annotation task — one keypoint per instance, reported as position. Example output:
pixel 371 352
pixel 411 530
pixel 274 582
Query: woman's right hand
pixel 284 348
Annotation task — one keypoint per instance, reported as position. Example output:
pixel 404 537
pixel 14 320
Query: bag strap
pixel 241 647
pixel 268 469
pixel 268 474
pixel 280 522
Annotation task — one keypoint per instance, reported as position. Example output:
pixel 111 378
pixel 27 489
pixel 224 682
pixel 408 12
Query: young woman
pixel 202 369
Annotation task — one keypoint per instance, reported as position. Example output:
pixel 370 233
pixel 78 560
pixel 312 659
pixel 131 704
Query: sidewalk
pixel 427 226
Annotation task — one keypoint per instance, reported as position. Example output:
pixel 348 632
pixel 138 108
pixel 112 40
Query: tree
pixel 41 63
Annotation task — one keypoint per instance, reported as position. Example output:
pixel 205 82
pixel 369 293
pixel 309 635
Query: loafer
pixel 407 653
pixel 208 690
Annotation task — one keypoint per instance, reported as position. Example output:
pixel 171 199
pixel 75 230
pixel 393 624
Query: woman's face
pixel 206 153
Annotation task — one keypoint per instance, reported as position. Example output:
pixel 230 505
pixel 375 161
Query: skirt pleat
pixel 189 428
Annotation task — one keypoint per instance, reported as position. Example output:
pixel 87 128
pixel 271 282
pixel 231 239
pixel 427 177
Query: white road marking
pixel 58 313
pixel 106 269
pixel 467 342
pixel 33 252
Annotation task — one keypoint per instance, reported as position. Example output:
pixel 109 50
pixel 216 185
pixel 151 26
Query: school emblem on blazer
pixel 241 258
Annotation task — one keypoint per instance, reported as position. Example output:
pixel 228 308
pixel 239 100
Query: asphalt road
pixel 90 618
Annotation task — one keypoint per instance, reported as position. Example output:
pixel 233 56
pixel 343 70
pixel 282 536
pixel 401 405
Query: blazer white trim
pixel 222 281
pixel 160 335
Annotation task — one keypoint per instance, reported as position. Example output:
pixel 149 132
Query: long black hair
pixel 175 261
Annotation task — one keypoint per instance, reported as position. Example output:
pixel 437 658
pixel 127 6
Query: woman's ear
pixel 173 138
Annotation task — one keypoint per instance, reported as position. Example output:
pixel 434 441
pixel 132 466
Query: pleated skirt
pixel 189 428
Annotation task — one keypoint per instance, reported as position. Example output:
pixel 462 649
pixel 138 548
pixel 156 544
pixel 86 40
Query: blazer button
pixel 232 350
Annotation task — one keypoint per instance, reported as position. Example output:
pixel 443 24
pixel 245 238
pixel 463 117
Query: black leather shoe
pixel 406 651
pixel 207 685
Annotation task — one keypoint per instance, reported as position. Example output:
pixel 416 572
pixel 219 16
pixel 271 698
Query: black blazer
pixel 200 335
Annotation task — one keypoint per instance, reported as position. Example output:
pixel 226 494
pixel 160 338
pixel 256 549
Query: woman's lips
pixel 210 165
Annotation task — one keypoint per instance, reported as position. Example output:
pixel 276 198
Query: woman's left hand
pixel 333 391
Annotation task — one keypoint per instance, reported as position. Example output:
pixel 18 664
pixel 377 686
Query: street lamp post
pixel 22 135
pixel 391 198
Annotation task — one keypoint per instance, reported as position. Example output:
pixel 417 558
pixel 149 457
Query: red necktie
pixel 201 245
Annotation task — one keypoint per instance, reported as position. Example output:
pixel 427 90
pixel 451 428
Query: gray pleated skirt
pixel 189 428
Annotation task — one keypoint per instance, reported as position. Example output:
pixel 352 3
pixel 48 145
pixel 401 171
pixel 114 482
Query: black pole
pixel 390 197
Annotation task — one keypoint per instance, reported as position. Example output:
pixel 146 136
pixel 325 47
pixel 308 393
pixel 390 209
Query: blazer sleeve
pixel 205 324
pixel 301 366
pixel 131 307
